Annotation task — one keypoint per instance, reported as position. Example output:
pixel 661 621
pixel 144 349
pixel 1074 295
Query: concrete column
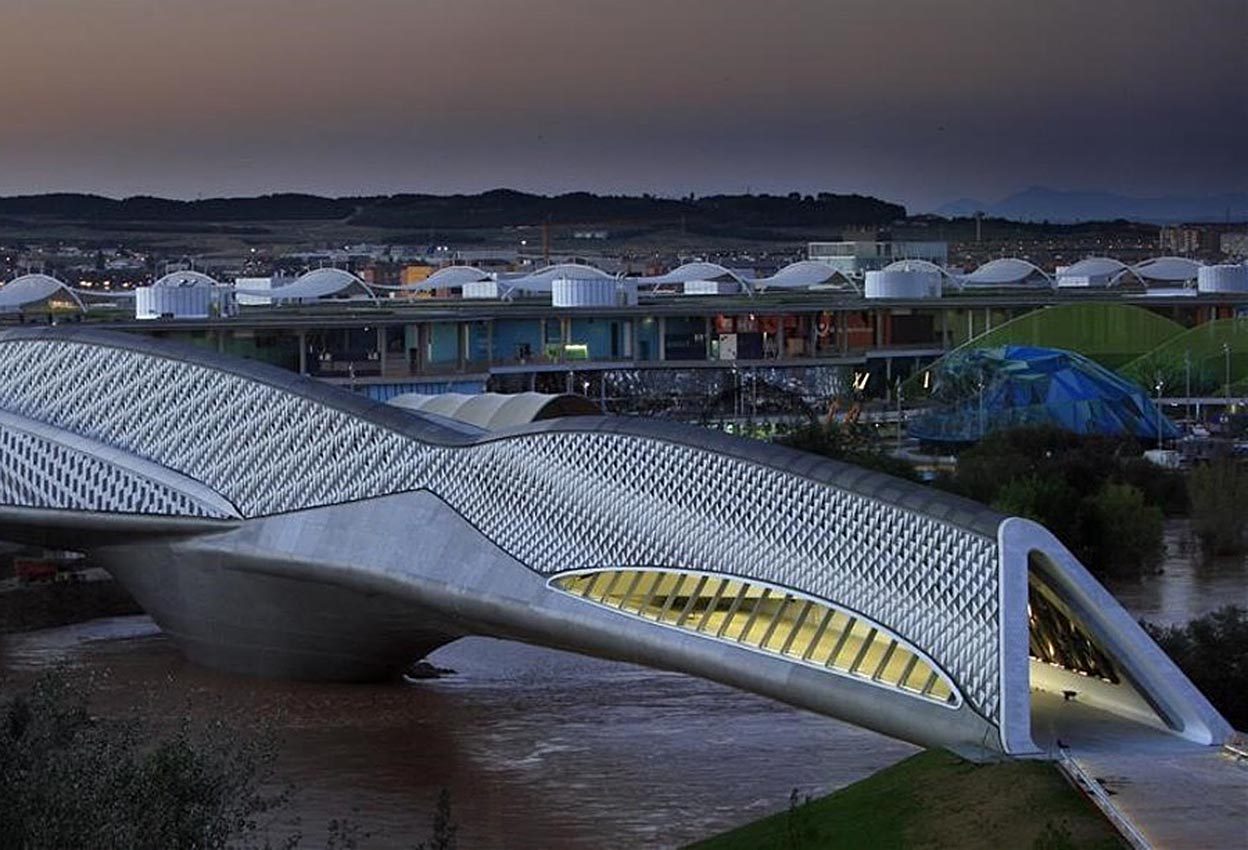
pixel 707 341
pixel 780 339
pixel 303 352
pixel 463 345
pixel 381 349
pixel 662 339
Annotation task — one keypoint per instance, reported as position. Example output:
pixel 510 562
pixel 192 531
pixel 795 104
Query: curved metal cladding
pixel 149 428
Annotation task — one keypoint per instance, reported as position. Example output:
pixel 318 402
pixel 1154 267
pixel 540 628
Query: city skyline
pixel 921 103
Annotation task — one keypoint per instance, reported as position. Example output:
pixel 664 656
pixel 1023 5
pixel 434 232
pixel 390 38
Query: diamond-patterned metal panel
pixel 554 500
pixel 40 473
pixel 266 450
pixel 560 501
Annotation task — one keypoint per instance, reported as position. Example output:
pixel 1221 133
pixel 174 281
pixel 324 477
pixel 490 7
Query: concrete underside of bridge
pixel 355 591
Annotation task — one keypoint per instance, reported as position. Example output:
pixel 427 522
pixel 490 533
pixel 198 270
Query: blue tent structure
pixel 988 389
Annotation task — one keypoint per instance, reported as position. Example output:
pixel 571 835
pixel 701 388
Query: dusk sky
pixel 919 101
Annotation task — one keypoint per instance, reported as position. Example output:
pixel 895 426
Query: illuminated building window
pixel 765 619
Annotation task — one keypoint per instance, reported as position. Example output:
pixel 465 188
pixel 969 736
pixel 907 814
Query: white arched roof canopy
pixel 1106 267
pixel 318 283
pixel 573 271
pixel 31 289
pixel 542 279
pixel 186 278
pixel 917 265
pixel 802 274
pixel 690 272
pixel 1006 271
pixel 1169 269
pixel 449 277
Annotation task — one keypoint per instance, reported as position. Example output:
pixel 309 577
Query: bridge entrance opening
pixel 1073 673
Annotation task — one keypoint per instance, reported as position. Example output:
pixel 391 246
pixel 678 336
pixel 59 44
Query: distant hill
pixel 498 208
pixel 1040 204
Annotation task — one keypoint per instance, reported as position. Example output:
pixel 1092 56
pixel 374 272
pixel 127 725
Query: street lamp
pixel 899 428
pixel 980 382
pixel 1226 351
pixel 1160 384
pixel 1187 386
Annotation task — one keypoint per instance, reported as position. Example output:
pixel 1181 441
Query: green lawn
pixel 936 799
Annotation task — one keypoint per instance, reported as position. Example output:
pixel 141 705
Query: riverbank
pixel 935 799
pixel 47 605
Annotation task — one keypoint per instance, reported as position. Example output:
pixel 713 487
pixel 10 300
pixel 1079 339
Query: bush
pixel 70 781
pixel 1096 494
pixel 1048 500
pixel 1165 488
pixel 1219 493
pixel 1213 652
pixel 849 443
pixel 1122 534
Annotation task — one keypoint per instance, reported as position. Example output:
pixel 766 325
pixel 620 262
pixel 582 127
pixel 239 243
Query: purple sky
pixel 920 101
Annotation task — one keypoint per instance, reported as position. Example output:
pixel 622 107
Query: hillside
pixel 497 208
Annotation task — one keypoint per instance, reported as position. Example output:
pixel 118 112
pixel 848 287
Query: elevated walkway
pixel 1174 793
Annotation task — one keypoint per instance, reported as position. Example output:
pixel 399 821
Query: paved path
pixel 1177 794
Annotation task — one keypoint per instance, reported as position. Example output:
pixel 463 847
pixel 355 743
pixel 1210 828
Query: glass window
pixel 776 621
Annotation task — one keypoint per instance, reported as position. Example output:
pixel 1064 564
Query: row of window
pixel 766 619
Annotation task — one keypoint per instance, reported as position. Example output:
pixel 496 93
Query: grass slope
pixel 1111 334
pixel 1203 344
pixel 932 800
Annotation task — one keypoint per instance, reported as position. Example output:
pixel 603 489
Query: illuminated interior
pixel 1067 659
pixel 1057 638
pixel 765 619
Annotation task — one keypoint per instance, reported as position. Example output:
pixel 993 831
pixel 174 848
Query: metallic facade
pixel 338 537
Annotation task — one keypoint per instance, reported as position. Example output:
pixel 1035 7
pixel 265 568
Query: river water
pixel 539 749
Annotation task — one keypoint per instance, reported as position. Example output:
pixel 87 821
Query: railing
pixel 1081 780
pixel 1236 747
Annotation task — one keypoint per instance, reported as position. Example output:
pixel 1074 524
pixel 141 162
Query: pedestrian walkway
pixel 1178 795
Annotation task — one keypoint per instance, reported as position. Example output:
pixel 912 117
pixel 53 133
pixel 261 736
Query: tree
pixel 849 443
pixel 1213 652
pixel 1083 489
pixel 1219 492
pixel 1122 535
pixel 1045 499
pixel 71 781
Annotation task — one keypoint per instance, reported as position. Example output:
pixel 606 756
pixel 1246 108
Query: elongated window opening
pixel 768 619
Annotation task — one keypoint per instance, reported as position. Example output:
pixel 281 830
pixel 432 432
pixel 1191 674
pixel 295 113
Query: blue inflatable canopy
pixel 988 389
